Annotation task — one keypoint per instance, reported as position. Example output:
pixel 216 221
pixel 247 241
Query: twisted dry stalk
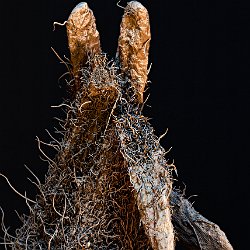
pixel 110 174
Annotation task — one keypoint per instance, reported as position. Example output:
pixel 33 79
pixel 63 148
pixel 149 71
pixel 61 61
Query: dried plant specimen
pixel 110 186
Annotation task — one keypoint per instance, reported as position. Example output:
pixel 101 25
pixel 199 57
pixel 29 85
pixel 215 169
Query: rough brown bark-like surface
pixel 150 176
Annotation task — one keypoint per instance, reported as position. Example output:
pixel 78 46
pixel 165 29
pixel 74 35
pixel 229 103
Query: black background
pixel 200 91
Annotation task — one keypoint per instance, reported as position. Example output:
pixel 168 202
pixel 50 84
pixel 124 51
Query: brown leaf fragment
pixel 193 230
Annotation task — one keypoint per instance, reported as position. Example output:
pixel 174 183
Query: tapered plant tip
pixel 133 46
pixel 136 5
pixel 82 5
pixel 83 37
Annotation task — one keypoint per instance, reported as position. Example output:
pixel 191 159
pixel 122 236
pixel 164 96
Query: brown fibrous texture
pixel 87 200
pixel 109 185
pixel 98 188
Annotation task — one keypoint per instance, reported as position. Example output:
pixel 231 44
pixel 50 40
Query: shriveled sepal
pixel 193 230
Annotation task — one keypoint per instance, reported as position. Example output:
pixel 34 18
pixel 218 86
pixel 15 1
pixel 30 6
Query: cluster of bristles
pixel 109 186
pixel 87 200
